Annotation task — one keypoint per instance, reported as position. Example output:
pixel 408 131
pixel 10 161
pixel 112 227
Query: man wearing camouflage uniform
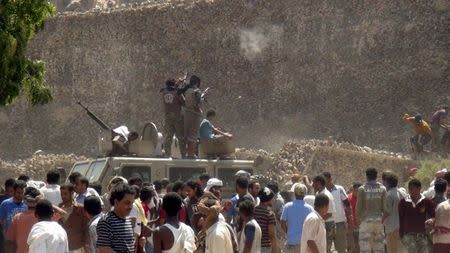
pixel 193 114
pixel 173 122
pixel 369 212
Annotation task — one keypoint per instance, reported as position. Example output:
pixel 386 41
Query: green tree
pixel 19 22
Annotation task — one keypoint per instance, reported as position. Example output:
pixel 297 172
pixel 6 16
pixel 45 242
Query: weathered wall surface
pixel 279 70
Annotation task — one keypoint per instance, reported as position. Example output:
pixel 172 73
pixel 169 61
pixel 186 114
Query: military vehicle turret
pixel 128 154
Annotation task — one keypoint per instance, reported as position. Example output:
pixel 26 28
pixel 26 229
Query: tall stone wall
pixel 278 70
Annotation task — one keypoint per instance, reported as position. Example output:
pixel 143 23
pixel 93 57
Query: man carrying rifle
pixel 193 113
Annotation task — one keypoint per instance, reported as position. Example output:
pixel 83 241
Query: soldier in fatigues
pixel 369 212
pixel 192 115
pixel 173 122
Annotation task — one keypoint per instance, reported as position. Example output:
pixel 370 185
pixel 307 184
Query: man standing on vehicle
pixel 192 114
pixel 173 119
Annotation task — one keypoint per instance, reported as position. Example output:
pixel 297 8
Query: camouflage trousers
pixel 416 243
pixel 371 236
pixel 173 125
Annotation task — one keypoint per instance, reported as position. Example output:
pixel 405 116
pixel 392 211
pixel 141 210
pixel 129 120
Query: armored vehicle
pixel 121 155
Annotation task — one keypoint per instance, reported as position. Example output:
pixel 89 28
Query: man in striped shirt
pixel 267 221
pixel 114 230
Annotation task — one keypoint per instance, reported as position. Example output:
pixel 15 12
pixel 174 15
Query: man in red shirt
pixel 414 211
pixel 353 233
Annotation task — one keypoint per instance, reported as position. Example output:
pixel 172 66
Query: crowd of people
pixel 306 216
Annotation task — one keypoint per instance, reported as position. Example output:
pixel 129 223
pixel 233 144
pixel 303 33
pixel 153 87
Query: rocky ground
pixel 345 161
pixel 37 166
pixel 108 5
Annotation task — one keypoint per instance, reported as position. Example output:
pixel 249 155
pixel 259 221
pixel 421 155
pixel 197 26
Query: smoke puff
pixel 256 40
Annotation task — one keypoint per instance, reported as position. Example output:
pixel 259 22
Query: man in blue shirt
pixel 208 131
pixel 13 205
pixel 213 141
pixel 293 217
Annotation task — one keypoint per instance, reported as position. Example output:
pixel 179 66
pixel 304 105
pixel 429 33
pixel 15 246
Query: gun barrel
pixel 102 124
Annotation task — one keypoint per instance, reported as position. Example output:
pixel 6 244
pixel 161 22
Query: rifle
pixel 181 81
pixel 102 124
pixel 445 126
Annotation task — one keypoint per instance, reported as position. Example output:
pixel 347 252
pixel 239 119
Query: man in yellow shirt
pixel 423 132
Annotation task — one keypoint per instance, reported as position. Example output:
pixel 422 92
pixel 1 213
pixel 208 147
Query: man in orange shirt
pixel 423 132
pixel 17 233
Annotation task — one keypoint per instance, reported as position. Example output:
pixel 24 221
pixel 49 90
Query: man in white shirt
pixel 314 238
pixel 46 235
pixel 319 187
pixel 136 213
pixel 51 191
pixel 83 190
pixel 219 237
pixel 343 213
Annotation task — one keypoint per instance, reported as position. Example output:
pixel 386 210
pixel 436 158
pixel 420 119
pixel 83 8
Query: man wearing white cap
pixel 242 173
pixel 214 186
